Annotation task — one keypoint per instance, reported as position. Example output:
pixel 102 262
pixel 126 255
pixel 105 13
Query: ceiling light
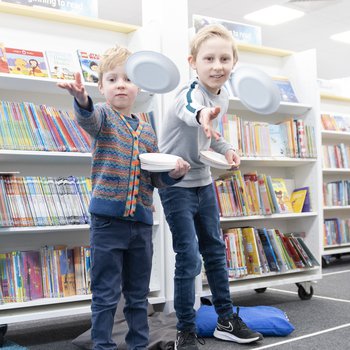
pixel 343 37
pixel 273 15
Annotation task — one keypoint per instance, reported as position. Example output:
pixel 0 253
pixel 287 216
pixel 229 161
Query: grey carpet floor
pixel 321 323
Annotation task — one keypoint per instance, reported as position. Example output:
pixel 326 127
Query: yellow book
pixel 298 199
pixel 251 251
pixel 282 195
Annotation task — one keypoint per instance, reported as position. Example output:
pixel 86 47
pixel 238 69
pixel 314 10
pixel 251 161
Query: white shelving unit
pixel 47 30
pixel 300 68
pixel 335 105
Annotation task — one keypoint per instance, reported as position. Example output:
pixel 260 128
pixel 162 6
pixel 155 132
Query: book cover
pixel 268 249
pixel 26 62
pixel 286 89
pixel 61 65
pixel 32 263
pixel 307 203
pixel 251 252
pixel 298 199
pixel 4 67
pixel 277 144
pixel 89 62
pixel 282 195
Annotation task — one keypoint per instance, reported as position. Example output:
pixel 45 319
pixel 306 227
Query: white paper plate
pixel 152 71
pixel 160 159
pixel 256 90
pixel 214 159
pixel 156 168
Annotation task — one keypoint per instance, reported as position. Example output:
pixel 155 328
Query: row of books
pixel 44 201
pixel 336 231
pixel 26 126
pixel 335 122
pixel 336 193
pixel 258 194
pixel 336 156
pixel 287 93
pixel 52 272
pixel 258 251
pixel 49 63
pixel 291 138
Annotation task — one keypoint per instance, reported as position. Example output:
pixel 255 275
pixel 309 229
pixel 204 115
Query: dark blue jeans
pixel 121 261
pixel 193 218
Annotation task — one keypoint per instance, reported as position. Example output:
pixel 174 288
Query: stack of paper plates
pixel 214 159
pixel 158 162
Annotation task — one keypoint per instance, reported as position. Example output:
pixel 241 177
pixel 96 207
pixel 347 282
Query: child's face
pixel 118 90
pixel 214 63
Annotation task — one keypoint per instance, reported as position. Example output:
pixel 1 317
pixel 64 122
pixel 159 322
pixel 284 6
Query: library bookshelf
pixel 333 243
pixel 63 32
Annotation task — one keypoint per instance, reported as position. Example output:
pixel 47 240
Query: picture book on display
pixel 281 194
pixel 26 62
pixel 286 89
pixel 300 199
pixel 89 62
pixel 61 65
pixel 4 68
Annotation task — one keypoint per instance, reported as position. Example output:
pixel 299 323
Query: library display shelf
pixel 71 33
pixel 276 161
pixel 335 106
pixel 336 171
pixel 335 135
pixel 289 216
pixel 49 86
pixel 284 108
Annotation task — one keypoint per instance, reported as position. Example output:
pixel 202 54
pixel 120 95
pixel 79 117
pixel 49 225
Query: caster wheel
pixel 260 290
pixel 303 294
pixel 326 261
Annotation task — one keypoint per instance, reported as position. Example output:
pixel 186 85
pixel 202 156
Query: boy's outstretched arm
pixel 206 115
pixel 76 89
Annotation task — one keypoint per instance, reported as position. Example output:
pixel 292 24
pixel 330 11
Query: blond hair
pixel 212 31
pixel 112 57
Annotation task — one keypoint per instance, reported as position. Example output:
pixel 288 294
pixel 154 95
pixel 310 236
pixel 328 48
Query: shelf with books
pixel 336 207
pixel 76 33
pixel 335 121
pixel 289 216
pixel 284 108
pixel 23 83
pixel 335 135
pixel 42 229
pixel 336 171
pixel 276 161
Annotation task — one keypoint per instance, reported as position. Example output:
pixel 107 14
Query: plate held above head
pixel 152 71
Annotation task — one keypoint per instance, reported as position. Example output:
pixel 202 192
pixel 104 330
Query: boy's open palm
pixel 76 88
pixel 206 116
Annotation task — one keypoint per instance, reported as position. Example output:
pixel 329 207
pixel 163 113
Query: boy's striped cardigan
pixel 113 145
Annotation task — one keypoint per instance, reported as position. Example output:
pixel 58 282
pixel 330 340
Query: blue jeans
pixel 193 218
pixel 121 261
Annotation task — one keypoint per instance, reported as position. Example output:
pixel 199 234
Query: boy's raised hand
pixel 206 115
pixel 76 88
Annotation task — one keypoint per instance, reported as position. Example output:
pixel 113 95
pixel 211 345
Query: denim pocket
pixel 100 221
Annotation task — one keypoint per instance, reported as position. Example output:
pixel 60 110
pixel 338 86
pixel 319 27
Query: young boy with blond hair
pixel 195 224
pixel 121 202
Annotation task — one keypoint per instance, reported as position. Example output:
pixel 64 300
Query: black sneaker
pixel 234 329
pixel 186 340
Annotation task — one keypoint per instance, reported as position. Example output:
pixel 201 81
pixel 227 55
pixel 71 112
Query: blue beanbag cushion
pixel 268 320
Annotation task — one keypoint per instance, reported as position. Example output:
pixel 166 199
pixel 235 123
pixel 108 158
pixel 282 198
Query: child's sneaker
pixel 186 340
pixel 234 329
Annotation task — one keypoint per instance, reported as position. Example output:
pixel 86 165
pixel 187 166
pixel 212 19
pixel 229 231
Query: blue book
pixel 269 252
